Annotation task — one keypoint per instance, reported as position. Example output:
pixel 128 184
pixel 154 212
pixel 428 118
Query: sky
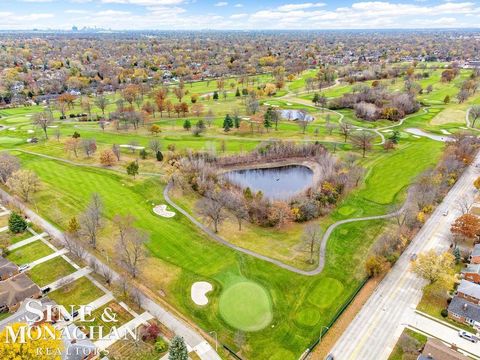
pixel 237 14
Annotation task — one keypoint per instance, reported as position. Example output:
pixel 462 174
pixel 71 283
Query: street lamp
pixel 216 339
pixel 321 332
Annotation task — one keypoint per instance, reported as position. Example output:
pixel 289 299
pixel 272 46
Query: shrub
pixel 444 313
pixel 17 223
pixel 161 345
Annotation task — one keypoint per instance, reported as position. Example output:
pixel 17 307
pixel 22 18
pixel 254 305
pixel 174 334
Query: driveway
pixel 376 328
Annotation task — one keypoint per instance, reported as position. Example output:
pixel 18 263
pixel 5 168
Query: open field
pixel 29 253
pixel 80 292
pixel 49 271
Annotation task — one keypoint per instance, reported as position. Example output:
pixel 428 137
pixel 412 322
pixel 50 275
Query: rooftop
pixel 469 288
pixel 476 250
pixel 472 268
pixel 7 268
pixel 436 350
pixel 17 289
pixel 462 307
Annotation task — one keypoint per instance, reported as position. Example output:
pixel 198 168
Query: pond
pixel 279 183
pixel 292 114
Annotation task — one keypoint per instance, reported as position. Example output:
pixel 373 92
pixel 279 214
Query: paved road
pixel 323 245
pixel 377 327
pixel 192 338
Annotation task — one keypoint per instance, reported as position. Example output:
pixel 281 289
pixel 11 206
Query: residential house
pixel 76 345
pixel 436 350
pixel 15 290
pixel 475 255
pixel 7 269
pixel 24 316
pixel 469 291
pixel 472 273
pixel 463 311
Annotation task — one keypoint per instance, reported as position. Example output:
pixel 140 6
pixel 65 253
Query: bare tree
pixel 312 237
pixel 130 244
pixel 212 208
pixel 43 120
pixel 23 183
pixel 474 114
pixel 464 205
pixel 101 102
pixel 362 140
pixel 345 128
pixel 90 220
pixel 8 165
pixel 236 204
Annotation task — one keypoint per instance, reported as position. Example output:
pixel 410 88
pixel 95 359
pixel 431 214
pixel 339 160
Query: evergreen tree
pixel 215 95
pixel 447 99
pixel 267 118
pixel 316 98
pixel 16 223
pixel 132 169
pixel 187 124
pixel 73 227
pixel 178 349
pixel 236 120
pixel 143 154
pixel 227 123
pixel 237 93
pixel 395 137
pixel 159 156
pixel 458 256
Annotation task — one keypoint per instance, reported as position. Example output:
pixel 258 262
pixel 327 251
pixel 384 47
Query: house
pixel 469 291
pixel 472 273
pixel 464 311
pixel 475 255
pixel 16 289
pixel 76 345
pixel 23 316
pixel 7 269
pixel 436 350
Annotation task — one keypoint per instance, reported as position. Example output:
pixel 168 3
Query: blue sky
pixel 237 14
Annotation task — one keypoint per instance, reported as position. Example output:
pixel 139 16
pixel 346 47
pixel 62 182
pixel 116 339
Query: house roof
pixel 17 289
pixel 20 316
pixel 472 268
pixel 7 267
pixel 436 350
pixel 463 308
pixel 476 250
pixel 79 348
pixel 469 288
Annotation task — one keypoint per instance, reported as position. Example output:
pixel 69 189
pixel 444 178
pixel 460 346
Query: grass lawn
pixel 122 316
pixel 131 350
pixel 80 292
pixel 50 271
pixel 6 237
pixel 3 221
pixel 30 252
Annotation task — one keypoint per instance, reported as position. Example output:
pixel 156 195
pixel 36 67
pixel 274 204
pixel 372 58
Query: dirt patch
pixel 328 341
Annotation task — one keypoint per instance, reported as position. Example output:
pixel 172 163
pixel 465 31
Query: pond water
pixel 292 114
pixel 279 183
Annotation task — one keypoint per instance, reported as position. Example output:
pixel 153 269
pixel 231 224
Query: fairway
pixel 246 306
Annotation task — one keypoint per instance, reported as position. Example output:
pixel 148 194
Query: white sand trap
pixel 200 289
pixel 53 126
pixel 162 211
pixel 288 104
pixel 132 147
pixel 446 132
pixel 30 131
pixel 387 131
pixel 12 129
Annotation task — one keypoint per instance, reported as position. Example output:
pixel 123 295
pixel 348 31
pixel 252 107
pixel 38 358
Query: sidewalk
pixel 26 241
pixel 48 257
pixel 69 279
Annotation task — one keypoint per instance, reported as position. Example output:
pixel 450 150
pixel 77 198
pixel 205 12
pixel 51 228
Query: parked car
pixel 23 267
pixel 74 314
pixel 329 357
pixel 46 290
pixel 445 213
pixel 413 257
pixel 467 336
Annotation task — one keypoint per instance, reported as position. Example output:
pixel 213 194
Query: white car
pixel 445 213
pixel 467 336
pixel 24 267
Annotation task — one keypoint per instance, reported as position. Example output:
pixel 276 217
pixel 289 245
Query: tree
pixel 312 236
pixel 107 158
pixel 132 169
pixel 236 121
pixel 476 183
pixel 16 223
pixel 101 102
pixel 130 244
pixel 24 183
pixel 432 266
pixel 446 100
pixel 143 154
pixel 215 95
pixel 159 156
pixel 155 129
pixel 154 145
pixel 395 137
pixel 8 165
pixel 73 227
pixel 43 121
pixel 179 93
pixel 227 123
pixel 474 114
pixel 467 225
pixel 43 337
pixel 89 146
pixel 178 349
pixel 90 219
pixel 72 145
pixel 187 125
pixel 345 128
pixel 212 209
pixel 363 141
pixel 374 265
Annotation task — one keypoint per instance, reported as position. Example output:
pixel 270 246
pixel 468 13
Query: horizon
pixel 159 15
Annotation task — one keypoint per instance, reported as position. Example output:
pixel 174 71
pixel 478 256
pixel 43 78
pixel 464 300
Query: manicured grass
pixel 50 271
pixel 246 306
pixel 80 292
pixel 30 252
pixel 9 238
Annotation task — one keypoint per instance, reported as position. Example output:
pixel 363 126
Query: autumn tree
pixel 24 183
pixel 72 145
pixel 362 140
pixel 107 157
pixel 8 165
pixel 155 129
pixel 375 265
pixel 101 102
pixel 179 93
pixel 476 183
pixel 42 120
pixel 312 236
pixel 132 169
pixel 467 225
pixel 433 267
pixel 212 208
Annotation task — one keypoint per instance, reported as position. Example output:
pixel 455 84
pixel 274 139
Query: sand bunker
pixel 199 292
pixel 162 211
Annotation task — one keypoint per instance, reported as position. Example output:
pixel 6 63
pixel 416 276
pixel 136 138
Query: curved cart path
pixel 323 244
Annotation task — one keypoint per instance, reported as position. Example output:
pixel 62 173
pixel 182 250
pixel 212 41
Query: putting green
pixel 246 306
